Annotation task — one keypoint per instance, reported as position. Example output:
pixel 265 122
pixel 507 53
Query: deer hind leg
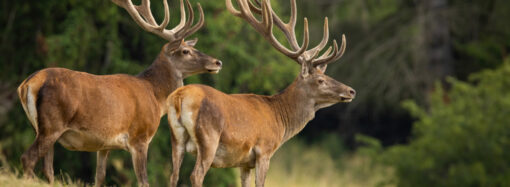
pixel 206 151
pixel 42 146
pixel 178 150
pixel 102 158
pixel 178 140
pixel 206 139
pixel 202 125
pixel 48 165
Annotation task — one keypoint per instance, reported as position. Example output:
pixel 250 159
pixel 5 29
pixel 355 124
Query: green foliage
pixel 371 147
pixel 462 139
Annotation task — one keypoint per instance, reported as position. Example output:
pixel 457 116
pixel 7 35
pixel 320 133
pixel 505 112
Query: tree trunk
pixel 436 37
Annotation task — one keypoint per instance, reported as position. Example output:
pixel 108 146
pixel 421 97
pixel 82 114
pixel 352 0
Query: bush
pixel 463 138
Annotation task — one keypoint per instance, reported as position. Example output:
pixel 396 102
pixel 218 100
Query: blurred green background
pixel 432 77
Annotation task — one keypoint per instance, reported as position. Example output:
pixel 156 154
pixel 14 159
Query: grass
pixel 11 178
pixel 297 165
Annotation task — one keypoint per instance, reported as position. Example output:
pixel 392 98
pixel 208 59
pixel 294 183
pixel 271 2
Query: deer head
pixel 322 89
pixel 189 60
pixel 312 82
pixel 178 53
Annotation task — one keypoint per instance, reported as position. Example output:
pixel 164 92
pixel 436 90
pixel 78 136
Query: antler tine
pixel 312 53
pixel 267 18
pixel 189 20
pixel 200 22
pixel 325 54
pixel 142 15
pixel 287 28
pixel 291 24
pixel 231 9
pixel 166 20
pixel 254 8
pixel 145 10
pixel 337 53
pixel 191 15
pixel 132 10
pixel 183 17
pixel 265 26
pixel 244 5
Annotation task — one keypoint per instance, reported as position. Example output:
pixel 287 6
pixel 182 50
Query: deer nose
pixel 352 92
pixel 218 63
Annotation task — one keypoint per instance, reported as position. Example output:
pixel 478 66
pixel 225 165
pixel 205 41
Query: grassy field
pixel 299 165
pixel 295 164
pixel 10 178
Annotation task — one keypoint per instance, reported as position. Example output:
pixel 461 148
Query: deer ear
pixel 192 42
pixel 322 68
pixel 172 46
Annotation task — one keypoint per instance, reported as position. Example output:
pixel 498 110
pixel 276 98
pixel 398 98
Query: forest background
pixel 432 77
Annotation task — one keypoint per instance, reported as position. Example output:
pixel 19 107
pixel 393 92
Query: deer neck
pixel 293 109
pixel 164 78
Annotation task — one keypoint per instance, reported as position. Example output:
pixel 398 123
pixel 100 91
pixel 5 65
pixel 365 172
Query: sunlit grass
pixel 297 164
pixel 12 178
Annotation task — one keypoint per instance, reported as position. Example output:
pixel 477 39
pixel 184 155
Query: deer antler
pixel 297 53
pixel 265 27
pixel 143 17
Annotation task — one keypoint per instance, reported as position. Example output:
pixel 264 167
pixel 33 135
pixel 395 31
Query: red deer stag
pixel 245 130
pixel 86 112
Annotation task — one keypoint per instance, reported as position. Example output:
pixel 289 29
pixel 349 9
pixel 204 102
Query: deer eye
pixel 185 51
pixel 320 81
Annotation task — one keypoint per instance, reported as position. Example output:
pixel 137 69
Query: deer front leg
pixel 261 168
pixel 245 177
pixel 102 158
pixel 139 157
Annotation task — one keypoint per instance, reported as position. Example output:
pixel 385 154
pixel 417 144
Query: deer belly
pixel 84 141
pixel 225 158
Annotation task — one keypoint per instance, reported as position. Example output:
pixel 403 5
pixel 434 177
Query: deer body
pixel 245 130
pixel 85 112
pixel 106 123
pixel 271 121
pixel 101 111
pixel 240 130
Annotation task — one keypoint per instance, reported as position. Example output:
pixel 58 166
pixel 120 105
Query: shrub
pixel 463 139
